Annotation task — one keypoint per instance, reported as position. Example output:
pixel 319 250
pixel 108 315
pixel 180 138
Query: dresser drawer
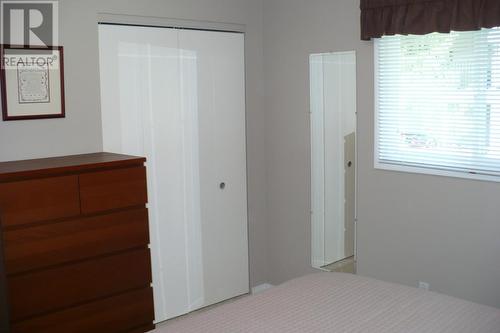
pixel 142 329
pixel 36 200
pixel 115 314
pixel 57 243
pixel 65 286
pixel 108 190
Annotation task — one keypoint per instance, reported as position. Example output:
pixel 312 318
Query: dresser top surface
pixel 65 164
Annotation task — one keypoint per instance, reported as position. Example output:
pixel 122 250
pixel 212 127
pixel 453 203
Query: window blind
pixel 438 101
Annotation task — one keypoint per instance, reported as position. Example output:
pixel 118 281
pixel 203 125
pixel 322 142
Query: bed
pixel 336 302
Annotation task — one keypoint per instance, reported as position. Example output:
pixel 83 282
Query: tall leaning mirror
pixel 333 160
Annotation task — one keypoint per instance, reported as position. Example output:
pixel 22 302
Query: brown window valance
pixel 419 17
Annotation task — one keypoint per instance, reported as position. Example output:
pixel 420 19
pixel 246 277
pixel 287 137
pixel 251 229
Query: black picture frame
pixel 4 84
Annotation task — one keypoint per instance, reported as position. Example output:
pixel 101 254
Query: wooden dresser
pixel 74 241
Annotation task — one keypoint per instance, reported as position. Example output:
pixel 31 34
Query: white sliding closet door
pixel 219 60
pixel 177 97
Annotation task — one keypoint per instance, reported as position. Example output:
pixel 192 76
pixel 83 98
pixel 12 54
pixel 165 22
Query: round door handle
pixel 222 185
pixel 349 164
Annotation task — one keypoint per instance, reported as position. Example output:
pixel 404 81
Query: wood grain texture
pixel 44 167
pixel 129 312
pixel 57 288
pixel 38 200
pixel 4 305
pixel 64 270
pixel 56 243
pixel 114 189
pixel 142 329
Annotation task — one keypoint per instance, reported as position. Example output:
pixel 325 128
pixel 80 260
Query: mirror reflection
pixel 333 160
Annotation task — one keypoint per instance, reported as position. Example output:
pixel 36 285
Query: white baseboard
pixel 196 304
pixel 316 263
pixel 261 287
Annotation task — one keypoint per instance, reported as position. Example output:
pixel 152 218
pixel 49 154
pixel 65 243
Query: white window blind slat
pixel 438 102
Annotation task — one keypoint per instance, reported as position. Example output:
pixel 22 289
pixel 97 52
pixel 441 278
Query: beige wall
pixel 411 227
pixel 80 131
pixel 441 230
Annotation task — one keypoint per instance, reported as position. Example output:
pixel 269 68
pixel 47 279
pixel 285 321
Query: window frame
pixel 405 168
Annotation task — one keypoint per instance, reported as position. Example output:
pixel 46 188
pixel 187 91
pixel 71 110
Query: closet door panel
pixel 142 115
pixel 169 145
pixel 219 59
pixel 178 98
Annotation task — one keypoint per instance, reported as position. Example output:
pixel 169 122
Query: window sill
pixel 435 172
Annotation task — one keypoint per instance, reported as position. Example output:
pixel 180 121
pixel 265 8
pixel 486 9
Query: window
pixel 438 103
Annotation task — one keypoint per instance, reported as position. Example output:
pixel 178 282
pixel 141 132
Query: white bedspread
pixel 334 302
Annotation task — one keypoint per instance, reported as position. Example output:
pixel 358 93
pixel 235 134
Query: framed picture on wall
pixel 32 82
